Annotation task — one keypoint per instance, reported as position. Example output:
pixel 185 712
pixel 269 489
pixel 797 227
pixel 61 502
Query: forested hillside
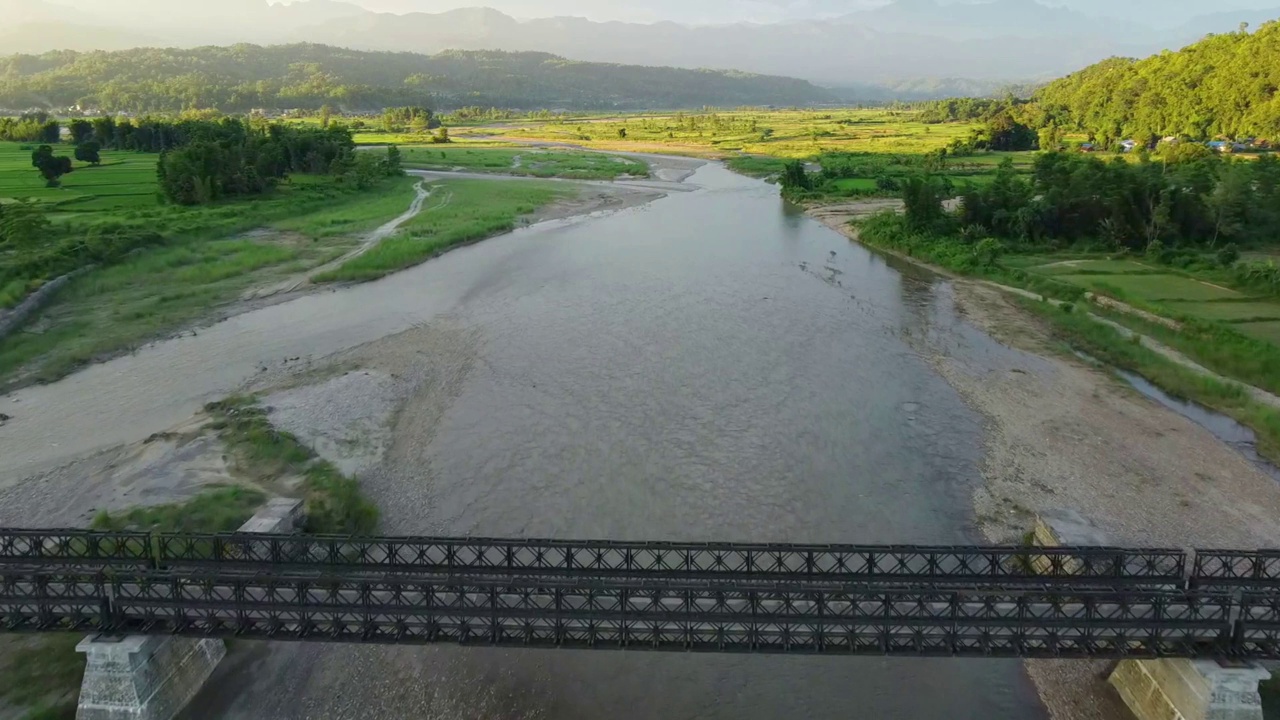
pixel 242 77
pixel 1224 85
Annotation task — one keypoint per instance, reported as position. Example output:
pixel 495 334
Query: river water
pixel 712 366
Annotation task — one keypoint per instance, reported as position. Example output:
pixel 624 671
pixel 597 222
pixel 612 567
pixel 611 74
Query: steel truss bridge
pixel 688 597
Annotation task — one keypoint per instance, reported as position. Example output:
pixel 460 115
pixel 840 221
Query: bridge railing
pixel 76 548
pixel 938 565
pixel 835 563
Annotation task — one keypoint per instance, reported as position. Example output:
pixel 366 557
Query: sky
pixel 695 11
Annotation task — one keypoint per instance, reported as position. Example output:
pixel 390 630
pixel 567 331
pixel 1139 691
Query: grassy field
pixel 459 211
pixel 202 265
pixel 122 181
pixel 530 162
pixel 782 133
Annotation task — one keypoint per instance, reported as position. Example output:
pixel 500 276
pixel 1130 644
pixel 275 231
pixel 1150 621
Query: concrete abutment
pixel 152 677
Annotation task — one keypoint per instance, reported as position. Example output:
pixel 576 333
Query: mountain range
pixel 996 42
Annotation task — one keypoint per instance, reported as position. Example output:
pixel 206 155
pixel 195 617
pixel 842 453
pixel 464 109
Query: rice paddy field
pixel 1165 290
pixel 123 181
pixel 528 162
pixel 776 133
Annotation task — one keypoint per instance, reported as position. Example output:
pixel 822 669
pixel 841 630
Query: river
pixel 711 366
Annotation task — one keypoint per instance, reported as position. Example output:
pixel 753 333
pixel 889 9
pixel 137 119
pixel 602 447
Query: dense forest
pixel 242 77
pixel 1224 85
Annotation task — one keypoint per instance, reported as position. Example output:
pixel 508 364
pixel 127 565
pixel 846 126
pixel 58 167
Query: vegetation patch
pixel 460 211
pixel 1266 331
pixel 217 509
pixel 1154 288
pixel 1234 312
pixel 1094 267
pixel 528 162
pixel 40 675
pixel 269 455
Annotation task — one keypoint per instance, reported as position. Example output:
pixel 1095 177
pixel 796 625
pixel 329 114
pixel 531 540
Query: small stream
pixel 1223 427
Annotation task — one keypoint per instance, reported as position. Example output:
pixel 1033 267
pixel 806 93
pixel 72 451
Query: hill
pixel 1224 85
pixel 241 77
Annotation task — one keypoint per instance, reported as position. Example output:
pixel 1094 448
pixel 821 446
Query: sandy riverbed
pixel 1070 440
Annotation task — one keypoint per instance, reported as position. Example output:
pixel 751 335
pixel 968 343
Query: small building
pixel 1219 146
pixel 1128 145
pixel 1087 147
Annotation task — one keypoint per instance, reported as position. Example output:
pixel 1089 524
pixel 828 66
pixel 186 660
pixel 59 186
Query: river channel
pixel 710 366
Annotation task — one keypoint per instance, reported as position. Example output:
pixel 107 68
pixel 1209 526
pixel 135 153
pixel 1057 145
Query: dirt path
pixel 369 242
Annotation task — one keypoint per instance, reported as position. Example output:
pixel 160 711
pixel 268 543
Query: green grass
pixel 756 165
pixel 333 502
pixel 1233 312
pixel 369 213
pixel 124 180
pixel 529 162
pixel 1154 288
pixel 40 675
pixel 1265 331
pixel 217 509
pixel 855 184
pixel 159 289
pixel 777 133
pixel 1085 267
pixel 458 212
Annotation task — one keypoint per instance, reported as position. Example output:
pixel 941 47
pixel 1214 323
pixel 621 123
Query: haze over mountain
pixel 857 43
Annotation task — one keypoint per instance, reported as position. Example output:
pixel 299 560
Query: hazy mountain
pixel 995 41
pixel 1022 18
pixel 864 47
pixel 41 36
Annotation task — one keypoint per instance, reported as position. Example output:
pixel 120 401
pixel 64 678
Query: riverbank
pixel 183 289
pixel 1067 439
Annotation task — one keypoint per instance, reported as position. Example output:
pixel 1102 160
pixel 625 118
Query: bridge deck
pixel 845 600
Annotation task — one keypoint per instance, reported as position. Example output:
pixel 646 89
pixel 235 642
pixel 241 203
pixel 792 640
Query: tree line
pixel 230 157
pixel 1195 200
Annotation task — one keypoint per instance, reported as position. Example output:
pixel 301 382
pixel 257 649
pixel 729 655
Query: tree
pixel 795 177
pixel 88 151
pixel 81 130
pixel 622 133
pixel 51 132
pixel 922 197
pixel 1229 201
pixel 51 167
pixel 441 136
pixel 394 163
pixel 1004 133
pixel 326 116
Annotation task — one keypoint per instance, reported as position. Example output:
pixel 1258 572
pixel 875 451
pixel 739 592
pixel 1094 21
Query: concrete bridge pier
pixel 152 677
pixel 1167 689
pixel 1177 689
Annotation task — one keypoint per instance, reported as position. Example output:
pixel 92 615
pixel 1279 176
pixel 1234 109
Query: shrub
pixel 1228 255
